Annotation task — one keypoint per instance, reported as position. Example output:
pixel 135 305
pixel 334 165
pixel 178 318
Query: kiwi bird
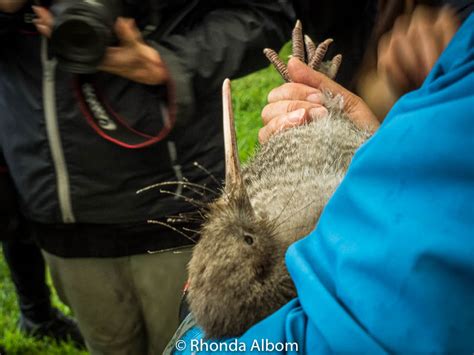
pixel 237 274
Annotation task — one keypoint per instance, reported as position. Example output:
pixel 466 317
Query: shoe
pixel 59 328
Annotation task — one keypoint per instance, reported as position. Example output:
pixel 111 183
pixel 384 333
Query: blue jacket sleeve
pixel 390 266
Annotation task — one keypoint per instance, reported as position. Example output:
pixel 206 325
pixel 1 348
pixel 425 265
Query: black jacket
pixel 8 209
pixel 68 175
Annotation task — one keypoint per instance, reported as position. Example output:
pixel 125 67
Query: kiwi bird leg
pixel 310 47
pixel 319 54
pixel 279 65
pixel 334 66
pixel 298 42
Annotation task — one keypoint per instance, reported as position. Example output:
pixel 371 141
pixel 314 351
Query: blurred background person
pixel 78 147
pixel 360 32
pixel 38 317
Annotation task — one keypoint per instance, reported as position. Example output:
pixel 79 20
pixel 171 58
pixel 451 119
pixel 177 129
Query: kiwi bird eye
pixel 248 239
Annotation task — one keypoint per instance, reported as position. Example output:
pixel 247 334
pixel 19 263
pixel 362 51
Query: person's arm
pixel 132 58
pixel 226 42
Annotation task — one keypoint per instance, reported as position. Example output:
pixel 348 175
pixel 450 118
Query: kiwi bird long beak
pixel 233 176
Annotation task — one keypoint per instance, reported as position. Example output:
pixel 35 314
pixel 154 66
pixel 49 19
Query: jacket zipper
pixel 54 138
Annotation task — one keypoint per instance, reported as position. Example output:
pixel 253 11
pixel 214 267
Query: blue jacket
pixel 390 266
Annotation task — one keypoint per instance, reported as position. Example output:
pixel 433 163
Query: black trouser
pixel 27 270
pixel 24 258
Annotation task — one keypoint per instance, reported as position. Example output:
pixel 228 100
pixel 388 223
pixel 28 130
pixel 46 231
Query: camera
pixel 82 31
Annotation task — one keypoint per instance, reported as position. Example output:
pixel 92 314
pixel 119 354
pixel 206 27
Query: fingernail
pixel 315 98
pixel 317 112
pixel 297 115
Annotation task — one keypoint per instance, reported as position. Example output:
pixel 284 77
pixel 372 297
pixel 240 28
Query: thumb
pixel 127 32
pixel 44 21
pixel 302 74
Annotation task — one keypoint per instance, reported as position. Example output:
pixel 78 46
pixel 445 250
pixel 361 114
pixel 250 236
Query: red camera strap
pixel 114 128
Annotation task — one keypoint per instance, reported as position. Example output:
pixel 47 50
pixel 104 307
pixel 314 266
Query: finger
pixel 127 32
pixel 446 25
pixel 302 74
pixel 396 59
pixel 44 16
pixel 280 108
pixel 430 48
pixel 123 61
pixel 44 21
pixel 115 57
pixel 397 79
pixel 424 13
pixel 292 91
pixel 394 73
pixel 406 67
pixel 425 44
pixel 291 119
pixel 401 25
pixel 44 30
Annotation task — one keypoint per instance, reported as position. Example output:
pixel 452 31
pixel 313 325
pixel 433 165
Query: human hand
pixel 133 59
pixel 409 51
pixel 300 101
pixel 11 6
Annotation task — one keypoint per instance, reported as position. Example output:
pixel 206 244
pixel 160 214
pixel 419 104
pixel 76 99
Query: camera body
pixel 82 31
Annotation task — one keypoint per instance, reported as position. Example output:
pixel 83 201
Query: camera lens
pixel 75 35
pixel 79 45
pixel 81 34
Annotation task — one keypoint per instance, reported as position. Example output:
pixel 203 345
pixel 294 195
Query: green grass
pixel 249 97
pixel 11 339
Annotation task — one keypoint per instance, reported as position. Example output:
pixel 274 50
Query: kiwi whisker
pixel 193 213
pixel 290 198
pixel 285 205
pixel 153 221
pixel 190 188
pixel 184 183
pixel 296 238
pixel 298 210
pixel 211 175
pixel 180 218
pixel 191 230
pixel 195 203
